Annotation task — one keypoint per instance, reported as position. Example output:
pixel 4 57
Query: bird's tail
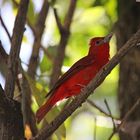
pixel 43 110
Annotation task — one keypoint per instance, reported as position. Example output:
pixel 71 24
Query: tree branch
pixel 39 29
pixel 5 28
pixel 33 63
pixel 25 91
pixel 96 81
pixel 2 98
pixel 28 21
pixel 132 109
pixel 65 33
pixel 15 48
pixel 128 114
pixel 113 122
pixel 60 27
pixel 69 15
pixel 11 121
pixel 48 55
pixel 98 108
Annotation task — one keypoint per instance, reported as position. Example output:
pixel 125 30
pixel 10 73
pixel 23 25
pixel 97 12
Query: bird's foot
pixel 82 87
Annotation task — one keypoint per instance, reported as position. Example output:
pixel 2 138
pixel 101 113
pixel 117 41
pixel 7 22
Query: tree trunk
pixel 129 76
pixel 11 121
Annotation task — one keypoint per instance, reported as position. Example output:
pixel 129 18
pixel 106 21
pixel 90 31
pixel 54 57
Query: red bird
pixel 79 75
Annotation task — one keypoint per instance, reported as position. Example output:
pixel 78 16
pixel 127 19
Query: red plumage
pixel 79 75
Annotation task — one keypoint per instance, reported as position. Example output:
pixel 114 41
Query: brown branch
pixel 3 54
pixel 28 20
pixel 114 126
pixel 28 115
pixel 2 98
pixel 65 33
pixel 15 48
pixel 10 118
pixel 39 28
pixel 5 28
pixel 69 15
pixel 131 110
pixel 33 63
pixel 48 55
pixel 25 90
pixel 60 27
pixel 98 108
pixel 128 114
pixel 77 102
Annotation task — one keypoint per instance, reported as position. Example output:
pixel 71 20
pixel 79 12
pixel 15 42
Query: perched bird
pixel 79 75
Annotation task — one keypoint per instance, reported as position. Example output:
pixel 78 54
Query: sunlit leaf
pixel 28 133
pixel 31 13
pixel 45 64
pixel 37 90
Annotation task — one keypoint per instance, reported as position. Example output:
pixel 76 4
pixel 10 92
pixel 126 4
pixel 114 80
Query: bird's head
pixel 99 44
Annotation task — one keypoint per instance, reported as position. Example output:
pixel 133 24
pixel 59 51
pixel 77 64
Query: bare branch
pixel 28 21
pixel 98 108
pixel 15 48
pixel 65 33
pixel 3 54
pixel 24 88
pixel 39 27
pixel 114 126
pixel 129 113
pixel 46 53
pixel 33 64
pixel 5 28
pixel 28 115
pixel 60 27
pixel 69 15
pixel 77 102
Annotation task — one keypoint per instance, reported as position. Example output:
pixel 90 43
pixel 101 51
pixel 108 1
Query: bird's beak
pixel 108 37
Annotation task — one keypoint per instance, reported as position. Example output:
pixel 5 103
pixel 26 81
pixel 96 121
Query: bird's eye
pixel 97 42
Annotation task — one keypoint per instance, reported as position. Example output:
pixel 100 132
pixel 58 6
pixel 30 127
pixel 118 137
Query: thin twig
pixel 128 114
pixel 114 127
pixel 131 110
pixel 65 33
pixel 39 26
pixel 81 98
pixel 98 108
pixel 15 48
pixel 46 53
pixel 60 27
pixel 95 128
pixel 5 28
pixel 112 134
pixel 108 108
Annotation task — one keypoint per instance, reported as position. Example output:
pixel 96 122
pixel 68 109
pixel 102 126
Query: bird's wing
pixel 78 66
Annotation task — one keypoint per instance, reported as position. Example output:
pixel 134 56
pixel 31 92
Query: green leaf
pixel 31 13
pixel 37 90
